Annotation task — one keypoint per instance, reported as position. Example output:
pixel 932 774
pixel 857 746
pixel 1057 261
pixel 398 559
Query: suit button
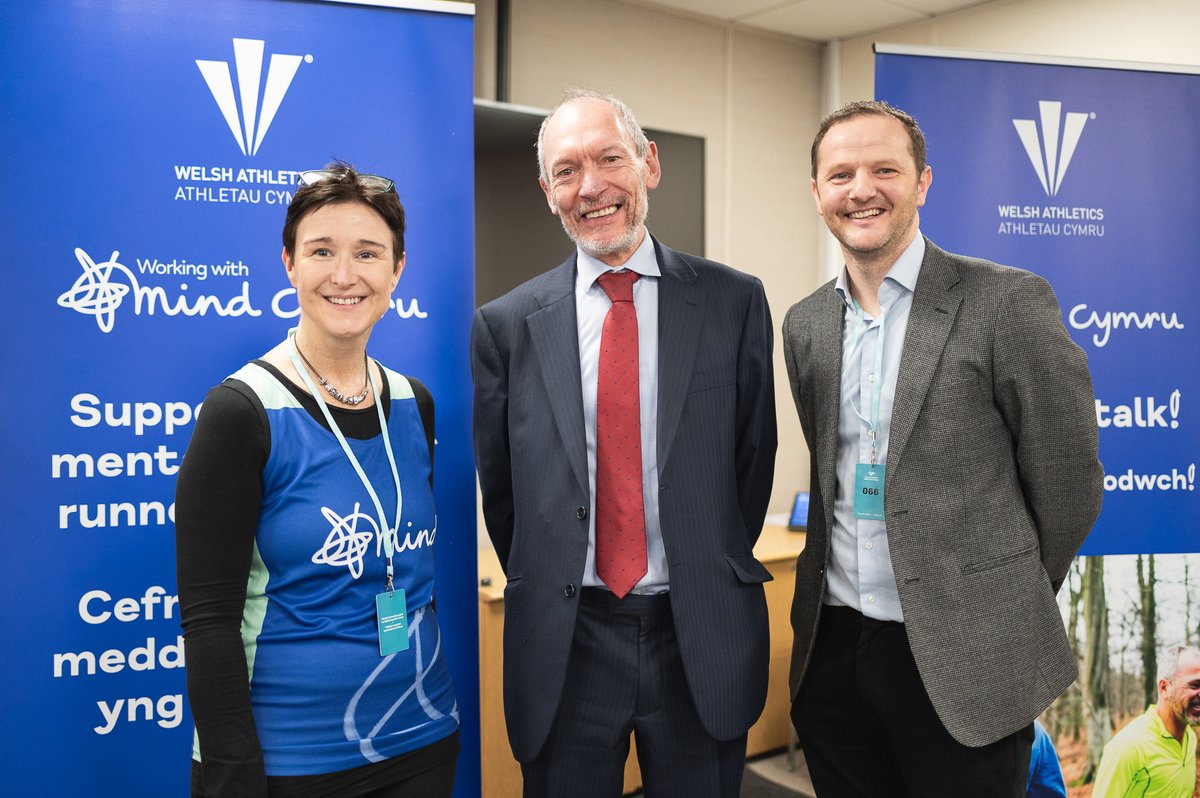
pixel 569 591
pixel 581 513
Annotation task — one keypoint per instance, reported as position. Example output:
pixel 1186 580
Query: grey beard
pixel 625 242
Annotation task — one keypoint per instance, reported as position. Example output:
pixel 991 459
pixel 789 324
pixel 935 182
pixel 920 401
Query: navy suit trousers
pixel 625 675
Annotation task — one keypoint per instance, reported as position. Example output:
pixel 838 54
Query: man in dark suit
pixel 952 429
pixel 626 448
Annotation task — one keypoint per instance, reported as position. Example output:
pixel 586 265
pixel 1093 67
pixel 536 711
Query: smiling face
pixel 1182 693
pixel 595 181
pixel 344 272
pixel 867 188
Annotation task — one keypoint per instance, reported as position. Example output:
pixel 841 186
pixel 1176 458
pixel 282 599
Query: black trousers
pixel 625 674
pixel 868 729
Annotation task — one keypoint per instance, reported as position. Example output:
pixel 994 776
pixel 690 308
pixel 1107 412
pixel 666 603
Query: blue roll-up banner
pixel 151 149
pixel 1084 173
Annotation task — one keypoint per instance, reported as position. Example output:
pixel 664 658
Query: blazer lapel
pixel 826 365
pixel 935 305
pixel 680 314
pixel 555 335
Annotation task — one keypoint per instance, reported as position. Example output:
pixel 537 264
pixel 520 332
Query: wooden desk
pixel 777 549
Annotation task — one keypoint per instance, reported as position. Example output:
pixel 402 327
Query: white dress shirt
pixel 591 306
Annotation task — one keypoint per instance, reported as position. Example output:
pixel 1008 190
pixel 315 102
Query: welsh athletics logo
pixel 1053 155
pixel 250 128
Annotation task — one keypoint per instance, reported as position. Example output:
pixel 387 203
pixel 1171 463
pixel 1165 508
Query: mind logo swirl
pixel 345 545
pixel 94 294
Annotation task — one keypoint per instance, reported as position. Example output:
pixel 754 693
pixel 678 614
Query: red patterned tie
pixel 620 515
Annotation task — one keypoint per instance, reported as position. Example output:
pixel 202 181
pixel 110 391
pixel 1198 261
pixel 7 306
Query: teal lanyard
pixel 388 533
pixel 872 422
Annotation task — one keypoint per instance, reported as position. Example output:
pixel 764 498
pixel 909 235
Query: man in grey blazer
pixel 677 652
pixel 951 425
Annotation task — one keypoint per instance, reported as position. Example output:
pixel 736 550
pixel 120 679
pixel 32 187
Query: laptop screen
pixel 799 519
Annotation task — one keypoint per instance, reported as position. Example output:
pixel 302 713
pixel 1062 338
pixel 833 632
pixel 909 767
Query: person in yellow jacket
pixel 1154 756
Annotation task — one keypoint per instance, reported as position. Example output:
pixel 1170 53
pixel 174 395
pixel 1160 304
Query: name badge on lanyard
pixel 868 491
pixel 869 477
pixel 391 616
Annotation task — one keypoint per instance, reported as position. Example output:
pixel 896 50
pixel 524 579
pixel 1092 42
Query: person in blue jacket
pixel 1045 773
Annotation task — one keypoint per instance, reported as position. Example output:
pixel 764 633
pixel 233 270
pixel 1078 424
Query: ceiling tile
pixel 822 20
pixel 817 20
pixel 725 10
pixel 941 6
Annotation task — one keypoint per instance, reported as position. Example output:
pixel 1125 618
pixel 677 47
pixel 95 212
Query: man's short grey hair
pixel 641 144
pixel 1168 665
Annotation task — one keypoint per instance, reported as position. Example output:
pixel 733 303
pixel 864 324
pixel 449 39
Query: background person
pixel 1154 756
pixel 952 430
pixel 626 448
pixel 300 465
pixel 1045 771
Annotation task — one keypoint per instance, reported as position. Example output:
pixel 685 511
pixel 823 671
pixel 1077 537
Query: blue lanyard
pixel 872 422
pixel 388 532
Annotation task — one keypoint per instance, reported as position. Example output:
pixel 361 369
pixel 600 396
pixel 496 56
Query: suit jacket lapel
pixel 935 305
pixel 555 335
pixel 826 386
pixel 680 314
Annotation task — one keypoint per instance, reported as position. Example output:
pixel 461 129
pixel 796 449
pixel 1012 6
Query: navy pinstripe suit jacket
pixel 716 455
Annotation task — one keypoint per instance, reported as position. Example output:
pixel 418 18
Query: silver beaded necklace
pixel 353 401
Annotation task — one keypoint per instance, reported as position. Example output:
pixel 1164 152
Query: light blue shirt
pixel 859 572
pixel 591 306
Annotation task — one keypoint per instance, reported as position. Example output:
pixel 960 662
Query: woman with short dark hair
pixel 305 526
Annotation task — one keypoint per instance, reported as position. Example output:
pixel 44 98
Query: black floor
pixel 755 786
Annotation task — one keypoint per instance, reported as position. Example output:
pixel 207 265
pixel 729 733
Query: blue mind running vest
pixel 322 697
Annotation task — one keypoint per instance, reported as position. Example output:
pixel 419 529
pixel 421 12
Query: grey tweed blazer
pixel 993 482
